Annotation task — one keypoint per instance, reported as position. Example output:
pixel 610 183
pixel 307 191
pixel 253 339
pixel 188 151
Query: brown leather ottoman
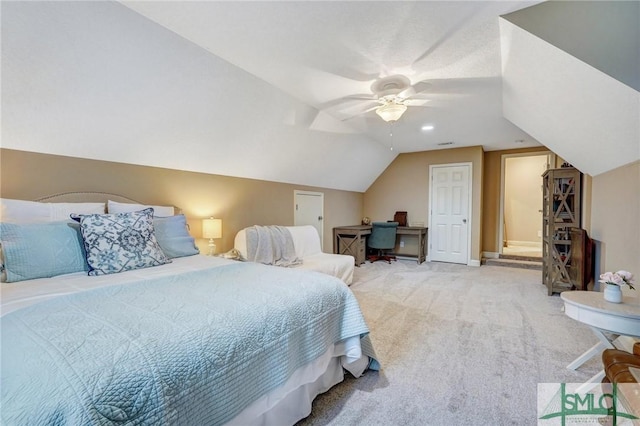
pixel 616 368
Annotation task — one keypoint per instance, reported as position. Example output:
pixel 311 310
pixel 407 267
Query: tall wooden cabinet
pixel 561 207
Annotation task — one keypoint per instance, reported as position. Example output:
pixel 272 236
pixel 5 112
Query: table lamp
pixel 212 228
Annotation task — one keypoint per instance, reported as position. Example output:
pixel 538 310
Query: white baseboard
pixel 474 262
pixel 401 257
pixel 490 255
pixel 524 243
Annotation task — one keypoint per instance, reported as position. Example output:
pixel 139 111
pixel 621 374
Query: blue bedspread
pixel 194 348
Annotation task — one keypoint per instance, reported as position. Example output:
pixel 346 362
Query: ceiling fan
pixel 393 95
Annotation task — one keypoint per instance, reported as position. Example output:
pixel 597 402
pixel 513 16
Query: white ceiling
pixel 322 52
pixel 264 90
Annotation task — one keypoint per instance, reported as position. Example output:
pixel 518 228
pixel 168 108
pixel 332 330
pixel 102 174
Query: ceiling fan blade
pixel 416 102
pixel 361 113
pixel 362 97
pixel 346 100
pixel 422 86
pixel 407 93
pixel 360 107
pixel 411 91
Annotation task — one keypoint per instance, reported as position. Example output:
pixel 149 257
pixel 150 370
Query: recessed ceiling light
pixel 446 143
pixel 427 127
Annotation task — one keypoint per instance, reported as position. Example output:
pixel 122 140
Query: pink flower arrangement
pixel 618 278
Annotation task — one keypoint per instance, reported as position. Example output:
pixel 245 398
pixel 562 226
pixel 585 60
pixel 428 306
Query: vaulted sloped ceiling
pixel 571 74
pixel 264 90
pixel 250 89
pixel 96 80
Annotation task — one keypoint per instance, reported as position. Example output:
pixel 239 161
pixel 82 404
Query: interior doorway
pixel 308 209
pixel 521 203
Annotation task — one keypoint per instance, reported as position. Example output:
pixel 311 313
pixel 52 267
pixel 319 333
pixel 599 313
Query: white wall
pixel 604 34
pixel 575 110
pixel 523 198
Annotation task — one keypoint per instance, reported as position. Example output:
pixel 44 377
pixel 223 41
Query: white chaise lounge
pixel 306 242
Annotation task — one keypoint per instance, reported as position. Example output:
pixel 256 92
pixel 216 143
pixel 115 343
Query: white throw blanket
pixel 271 245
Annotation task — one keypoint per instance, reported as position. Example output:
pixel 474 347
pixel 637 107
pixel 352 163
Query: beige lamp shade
pixel 212 228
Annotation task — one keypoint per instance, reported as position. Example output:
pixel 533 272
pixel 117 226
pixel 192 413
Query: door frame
pixel 297 192
pixel 503 165
pixel 469 207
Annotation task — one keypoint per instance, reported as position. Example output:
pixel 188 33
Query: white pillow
pixel 21 211
pixel 158 211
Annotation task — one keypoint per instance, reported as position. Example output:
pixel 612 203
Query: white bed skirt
pixel 292 401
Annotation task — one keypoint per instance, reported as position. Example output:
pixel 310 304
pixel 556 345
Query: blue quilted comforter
pixel 193 348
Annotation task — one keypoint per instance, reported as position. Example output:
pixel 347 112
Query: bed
pixel 194 340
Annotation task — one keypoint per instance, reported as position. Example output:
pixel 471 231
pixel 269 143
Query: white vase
pixel 613 294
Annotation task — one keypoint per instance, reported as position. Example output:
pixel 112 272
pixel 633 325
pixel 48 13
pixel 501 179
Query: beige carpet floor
pixel 458 345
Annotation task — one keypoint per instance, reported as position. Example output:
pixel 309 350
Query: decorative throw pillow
pixel 120 242
pixel 41 250
pixel 173 236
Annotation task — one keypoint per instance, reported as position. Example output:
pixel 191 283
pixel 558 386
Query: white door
pixel 308 210
pixel 449 218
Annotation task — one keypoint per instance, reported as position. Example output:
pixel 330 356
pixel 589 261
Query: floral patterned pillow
pixel 120 242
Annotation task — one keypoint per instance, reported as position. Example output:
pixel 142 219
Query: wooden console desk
pixel 352 240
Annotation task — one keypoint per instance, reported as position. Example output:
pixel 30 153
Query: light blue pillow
pixel 120 242
pixel 41 250
pixel 173 236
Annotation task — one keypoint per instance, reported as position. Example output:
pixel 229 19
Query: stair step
pixel 516 257
pixel 514 263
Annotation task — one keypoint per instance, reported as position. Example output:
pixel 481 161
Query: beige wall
pixel 404 186
pixel 238 202
pixel 615 218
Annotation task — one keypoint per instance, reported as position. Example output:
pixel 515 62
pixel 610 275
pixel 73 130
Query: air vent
pixel 445 143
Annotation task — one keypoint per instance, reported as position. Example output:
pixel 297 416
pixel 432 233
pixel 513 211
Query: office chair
pixel 383 237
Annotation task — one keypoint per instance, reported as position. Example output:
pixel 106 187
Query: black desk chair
pixel 383 237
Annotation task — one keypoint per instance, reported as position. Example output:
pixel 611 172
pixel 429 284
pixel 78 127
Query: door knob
pixel 319 217
pixel 464 220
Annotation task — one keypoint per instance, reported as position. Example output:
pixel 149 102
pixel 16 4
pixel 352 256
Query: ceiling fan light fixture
pixel 391 111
